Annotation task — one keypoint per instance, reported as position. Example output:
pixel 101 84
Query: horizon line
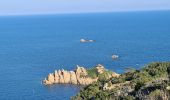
pixel 74 13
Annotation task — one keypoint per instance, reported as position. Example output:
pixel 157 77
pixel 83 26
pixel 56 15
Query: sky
pixel 24 7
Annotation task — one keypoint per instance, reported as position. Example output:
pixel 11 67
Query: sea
pixel 32 46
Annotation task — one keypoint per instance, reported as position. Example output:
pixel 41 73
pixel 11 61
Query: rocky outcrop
pixel 152 82
pixel 100 69
pixel 50 80
pixel 115 74
pixel 78 76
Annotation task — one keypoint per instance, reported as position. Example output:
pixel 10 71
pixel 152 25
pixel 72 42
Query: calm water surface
pixel 33 46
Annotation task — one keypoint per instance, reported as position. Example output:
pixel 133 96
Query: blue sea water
pixel 33 46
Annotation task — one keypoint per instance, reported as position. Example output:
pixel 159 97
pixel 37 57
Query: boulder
pixel 100 68
pixel 80 71
pixel 115 75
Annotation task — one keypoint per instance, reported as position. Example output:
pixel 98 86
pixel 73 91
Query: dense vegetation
pixel 93 73
pixel 149 83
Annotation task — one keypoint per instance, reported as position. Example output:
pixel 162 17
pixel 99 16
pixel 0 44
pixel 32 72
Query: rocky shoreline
pixel 79 76
pixel 152 82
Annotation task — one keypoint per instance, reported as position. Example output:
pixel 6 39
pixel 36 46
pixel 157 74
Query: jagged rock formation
pixel 100 69
pixel 78 76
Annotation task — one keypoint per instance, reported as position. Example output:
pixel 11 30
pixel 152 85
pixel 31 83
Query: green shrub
pixel 157 69
pixel 129 97
pixel 92 73
pixel 104 76
pixel 102 95
pixel 138 78
pixel 159 95
pixel 118 80
pixel 156 92
pixel 138 85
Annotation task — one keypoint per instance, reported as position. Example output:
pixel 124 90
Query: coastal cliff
pixel 152 82
pixel 79 76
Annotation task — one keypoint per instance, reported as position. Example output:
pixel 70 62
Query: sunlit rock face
pixel 79 76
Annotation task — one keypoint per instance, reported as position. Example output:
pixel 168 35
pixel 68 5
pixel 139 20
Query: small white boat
pixel 115 57
pixel 83 40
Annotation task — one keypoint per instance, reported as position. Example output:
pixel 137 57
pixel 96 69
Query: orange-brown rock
pixel 50 79
pixel 66 76
pixel 56 77
pixel 100 69
pixel 73 78
pixel 78 76
pixel 115 74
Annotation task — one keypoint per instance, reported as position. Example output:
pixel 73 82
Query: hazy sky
pixel 10 7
